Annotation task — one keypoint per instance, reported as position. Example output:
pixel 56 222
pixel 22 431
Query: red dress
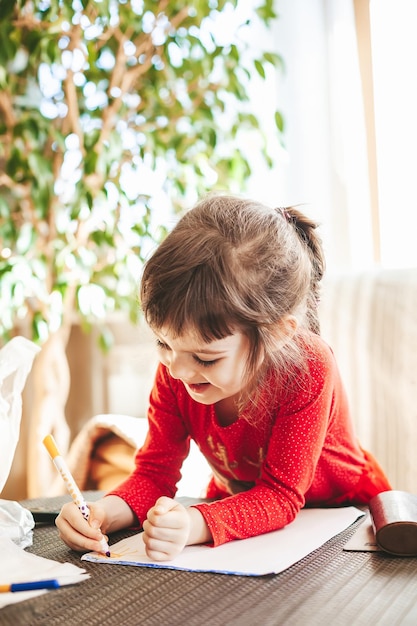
pixel 266 465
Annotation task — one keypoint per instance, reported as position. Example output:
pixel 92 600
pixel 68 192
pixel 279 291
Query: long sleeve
pixel 159 460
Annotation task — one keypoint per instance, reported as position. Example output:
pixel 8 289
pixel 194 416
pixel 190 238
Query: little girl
pixel 231 295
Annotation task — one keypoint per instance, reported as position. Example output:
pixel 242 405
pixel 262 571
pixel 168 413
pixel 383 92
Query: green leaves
pixel 113 116
pixel 279 121
pixel 266 11
pixel 6 7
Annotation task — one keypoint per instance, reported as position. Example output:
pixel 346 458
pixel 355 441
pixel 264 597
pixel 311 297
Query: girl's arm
pixel 160 458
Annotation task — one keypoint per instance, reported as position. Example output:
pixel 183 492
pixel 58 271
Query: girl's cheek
pixel 163 359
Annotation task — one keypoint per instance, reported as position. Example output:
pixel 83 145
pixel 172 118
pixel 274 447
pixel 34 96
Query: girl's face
pixel 210 371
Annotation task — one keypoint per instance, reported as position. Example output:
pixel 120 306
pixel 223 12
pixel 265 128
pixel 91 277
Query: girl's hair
pixel 230 265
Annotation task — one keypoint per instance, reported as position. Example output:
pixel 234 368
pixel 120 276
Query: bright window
pixel 394 50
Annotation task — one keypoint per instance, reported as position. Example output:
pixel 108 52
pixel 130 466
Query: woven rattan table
pixel 329 587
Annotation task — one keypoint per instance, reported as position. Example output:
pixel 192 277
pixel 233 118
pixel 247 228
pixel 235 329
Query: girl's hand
pixel 78 533
pixel 170 527
pixel 166 529
pixel 109 514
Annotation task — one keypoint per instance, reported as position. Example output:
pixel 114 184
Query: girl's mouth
pixel 198 387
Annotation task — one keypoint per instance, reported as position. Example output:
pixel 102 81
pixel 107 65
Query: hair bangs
pixel 201 304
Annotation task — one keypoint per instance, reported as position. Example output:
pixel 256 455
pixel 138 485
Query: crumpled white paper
pixel 16 359
pixel 16 523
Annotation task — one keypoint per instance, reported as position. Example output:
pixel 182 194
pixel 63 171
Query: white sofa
pixel 370 320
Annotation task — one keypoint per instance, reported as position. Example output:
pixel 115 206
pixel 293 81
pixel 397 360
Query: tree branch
pixel 72 119
pixel 7 107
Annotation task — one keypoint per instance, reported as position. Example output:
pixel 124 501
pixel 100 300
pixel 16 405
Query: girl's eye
pixel 204 363
pixel 163 346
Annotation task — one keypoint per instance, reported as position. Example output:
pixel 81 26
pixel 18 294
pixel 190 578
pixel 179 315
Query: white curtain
pixel 324 162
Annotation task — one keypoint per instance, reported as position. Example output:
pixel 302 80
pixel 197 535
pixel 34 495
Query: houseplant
pixel 98 100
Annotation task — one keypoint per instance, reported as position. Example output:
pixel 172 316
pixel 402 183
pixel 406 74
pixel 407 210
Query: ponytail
pixel 306 231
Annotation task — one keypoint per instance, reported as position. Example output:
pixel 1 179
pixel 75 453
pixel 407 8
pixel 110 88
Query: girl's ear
pixel 286 329
pixel 290 326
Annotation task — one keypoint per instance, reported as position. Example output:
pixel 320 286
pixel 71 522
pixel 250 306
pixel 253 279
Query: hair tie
pixel 287 217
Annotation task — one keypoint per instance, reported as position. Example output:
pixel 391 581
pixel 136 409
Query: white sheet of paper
pixel 17 565
pixel 270 553
pixel 363 540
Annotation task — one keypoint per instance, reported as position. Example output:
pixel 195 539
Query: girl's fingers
pixel 75 530
pixel 164 505
pixel 75 540
pixel 168 514
pixel 163 533
pixel 159 550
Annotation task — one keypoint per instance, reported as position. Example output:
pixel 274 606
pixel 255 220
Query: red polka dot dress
pixel 268 464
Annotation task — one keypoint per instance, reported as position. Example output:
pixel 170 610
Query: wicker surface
pixel 329 586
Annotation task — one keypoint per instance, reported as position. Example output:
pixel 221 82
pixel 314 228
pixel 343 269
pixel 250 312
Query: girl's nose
pixel 181 367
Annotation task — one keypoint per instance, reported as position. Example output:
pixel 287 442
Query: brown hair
pixel 232 264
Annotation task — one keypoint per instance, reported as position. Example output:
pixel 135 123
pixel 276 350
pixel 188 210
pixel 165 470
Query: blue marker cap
pixel 36 584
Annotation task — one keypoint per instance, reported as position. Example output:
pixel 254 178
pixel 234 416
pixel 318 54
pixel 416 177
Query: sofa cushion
pixel 370 321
